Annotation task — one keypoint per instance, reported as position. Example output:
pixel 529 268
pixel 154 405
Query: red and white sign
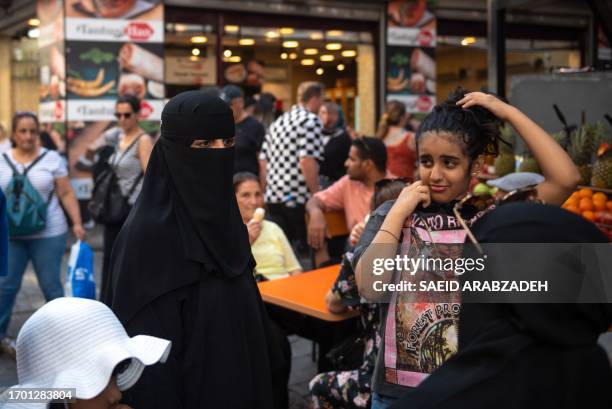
pixel 101 29
pixel 414 103
pixel 52 111
pixel 411 37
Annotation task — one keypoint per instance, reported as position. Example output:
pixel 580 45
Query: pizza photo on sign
pixel 115 9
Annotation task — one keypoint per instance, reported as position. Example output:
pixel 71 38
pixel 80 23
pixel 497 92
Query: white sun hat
pixel 77 343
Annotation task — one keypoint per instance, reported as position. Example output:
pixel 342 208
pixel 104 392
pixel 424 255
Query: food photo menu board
pixel 410 54
pixel 114 47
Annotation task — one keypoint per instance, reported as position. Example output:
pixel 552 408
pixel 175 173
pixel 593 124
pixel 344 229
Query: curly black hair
pixel 477 127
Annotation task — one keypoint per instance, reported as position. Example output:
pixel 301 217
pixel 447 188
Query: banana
pixel 399 86
pixel 91 92
pixel 398 79
pixel 78 83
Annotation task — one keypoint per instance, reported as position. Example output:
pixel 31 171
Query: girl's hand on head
pixel 496 106
pixel 410 197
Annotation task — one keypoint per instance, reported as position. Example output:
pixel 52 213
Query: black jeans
pixel 291 220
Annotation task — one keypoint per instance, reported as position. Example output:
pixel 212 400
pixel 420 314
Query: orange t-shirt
pixel 349 195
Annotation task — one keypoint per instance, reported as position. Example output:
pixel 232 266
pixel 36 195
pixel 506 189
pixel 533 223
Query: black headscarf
pixel 525 355
pixel 186 212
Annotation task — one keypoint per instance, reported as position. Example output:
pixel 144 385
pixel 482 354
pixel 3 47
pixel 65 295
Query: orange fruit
pixel 585 204
pixel 573 209
pixel 575 196
pixel 589 215
pixel 599 196
pixel 599 205
pixel 609 205
pixel 585 192
pixel 573 200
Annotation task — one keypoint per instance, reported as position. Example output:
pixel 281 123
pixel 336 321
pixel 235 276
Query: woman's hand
pixel 410 197
pixel 356 233
pixel 254 229
pixel 79 232
pixel 497 107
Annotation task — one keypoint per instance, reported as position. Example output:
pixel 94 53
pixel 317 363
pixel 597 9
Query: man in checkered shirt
pixel 289 171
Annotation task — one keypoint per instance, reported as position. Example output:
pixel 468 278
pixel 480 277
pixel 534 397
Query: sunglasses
pixel 126 115
pixel 478 203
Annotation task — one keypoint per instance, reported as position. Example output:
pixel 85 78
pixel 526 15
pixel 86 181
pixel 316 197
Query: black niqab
pixel 525 355
pixel 181 269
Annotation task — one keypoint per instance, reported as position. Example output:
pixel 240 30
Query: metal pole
pixel 496 50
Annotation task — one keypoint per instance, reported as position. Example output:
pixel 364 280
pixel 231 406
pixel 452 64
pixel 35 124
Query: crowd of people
pixel 233 192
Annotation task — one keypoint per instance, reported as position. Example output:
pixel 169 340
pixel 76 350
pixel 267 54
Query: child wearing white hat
pixel 79 344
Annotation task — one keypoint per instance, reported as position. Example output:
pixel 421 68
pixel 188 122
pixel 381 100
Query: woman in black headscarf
pixel 182 267
pixel 527 356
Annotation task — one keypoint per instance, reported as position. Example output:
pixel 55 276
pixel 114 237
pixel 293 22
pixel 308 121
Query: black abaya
pixel 182 270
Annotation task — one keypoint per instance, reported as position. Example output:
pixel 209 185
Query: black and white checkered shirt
pixel 294 135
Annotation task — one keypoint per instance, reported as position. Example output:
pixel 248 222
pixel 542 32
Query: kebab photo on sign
pixel 115 9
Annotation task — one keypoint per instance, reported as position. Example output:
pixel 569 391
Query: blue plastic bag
pixel 80 274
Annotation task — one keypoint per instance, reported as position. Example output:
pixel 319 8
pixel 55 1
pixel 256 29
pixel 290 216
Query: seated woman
pixel 269 245
pixel 351 389
pixel 79 344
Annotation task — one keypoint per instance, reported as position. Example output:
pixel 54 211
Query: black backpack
pixel 107 204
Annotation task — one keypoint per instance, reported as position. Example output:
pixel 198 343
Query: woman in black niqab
pixel 182 269
pixel 526 356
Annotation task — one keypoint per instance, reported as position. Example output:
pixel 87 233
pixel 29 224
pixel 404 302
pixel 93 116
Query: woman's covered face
pixel 107 399
pixel 249 198
pixel 213 143
pixel 444 166
pixel 25 134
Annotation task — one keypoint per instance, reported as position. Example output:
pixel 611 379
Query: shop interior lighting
pixel 307 61
pixel 232 29
pixel 327 57
pixel 468 40
pixel 290 44
pixel 333 46
pixel 234 58
pixel 193 58
pixel 33 22
pixel 293 56
pixel 284 56
pixel 33 33
pixel 195 51
pixel 340 67
pixel 320 71
pixel 334 33
pixel 199 39
pixel 316 36
pixel 349 53
pixel 246 41
pixel 286 31
pixel 272 34
pixel 311 51
pixel 227 53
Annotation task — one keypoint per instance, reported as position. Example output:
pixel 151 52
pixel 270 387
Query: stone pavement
pixel 30 298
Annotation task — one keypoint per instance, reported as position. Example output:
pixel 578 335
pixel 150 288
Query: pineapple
pixel 529 164
pixel 505 162
pixel 583 144
pixel 602 169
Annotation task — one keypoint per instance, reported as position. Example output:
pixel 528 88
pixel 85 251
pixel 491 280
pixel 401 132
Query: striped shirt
pixel 42 177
